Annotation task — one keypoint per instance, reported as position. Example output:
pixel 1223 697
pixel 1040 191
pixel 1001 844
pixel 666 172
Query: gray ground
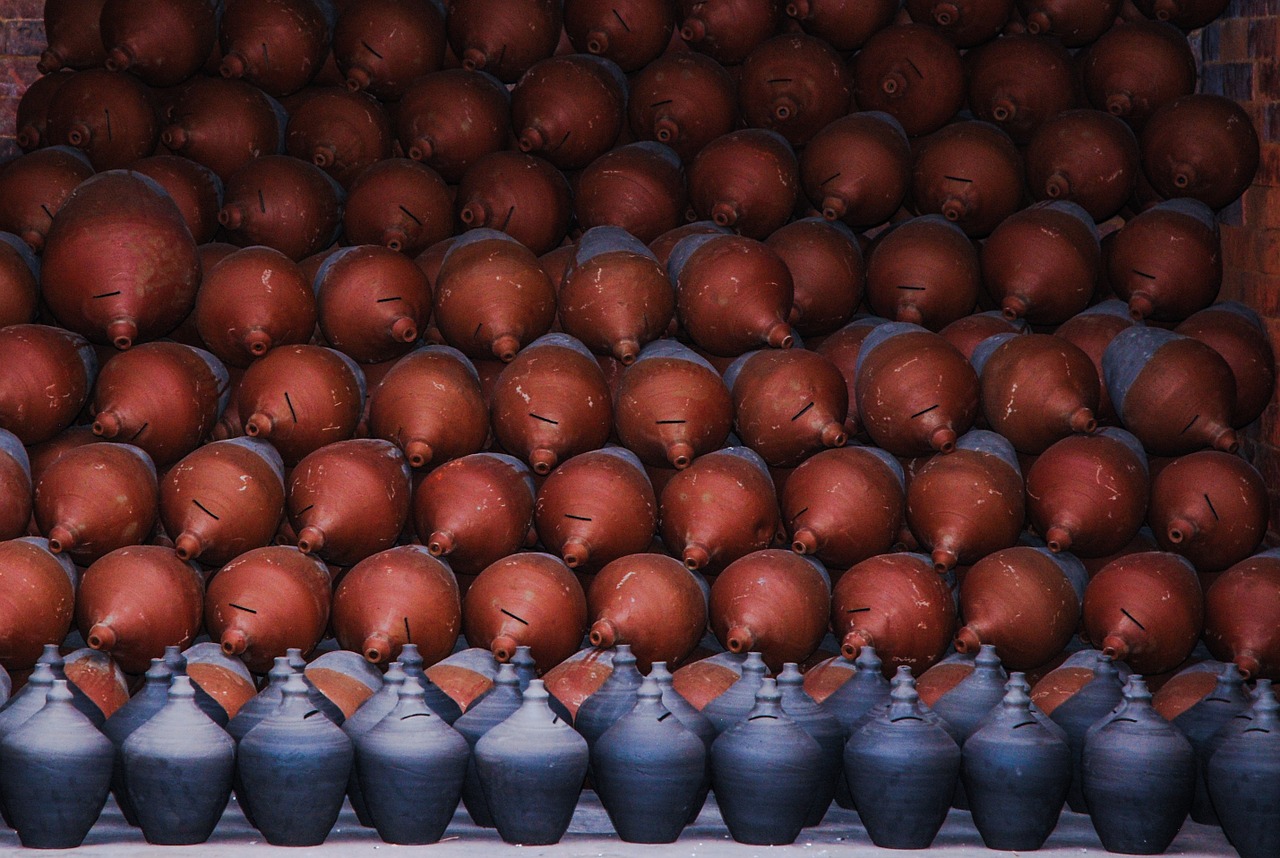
pixel 592 835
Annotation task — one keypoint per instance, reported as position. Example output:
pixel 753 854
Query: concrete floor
pixel 591 836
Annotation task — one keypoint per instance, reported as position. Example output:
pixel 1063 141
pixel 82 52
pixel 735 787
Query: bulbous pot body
pixel 772 601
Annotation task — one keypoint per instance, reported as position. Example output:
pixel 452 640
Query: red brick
pixel 24 37
pixel 1268 166
pixel 1233 41
pixel 24 9
pixel 1257 290
pixel 1262 39
pixel 1262 205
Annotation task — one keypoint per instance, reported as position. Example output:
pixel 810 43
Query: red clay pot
pixel 788 405
pixel 1074 24
pixel 857 169
pixel 223 124
pixel 283 203
pixel 746 180
pixel 671 406
pixel 373 302
pixel 19 281
pixel 1022 601
pixel 339 131
pixel 194 188
pixel 631 33
pixel 651 602
pixel 34 187
pixel 794 84
pixel 162 397
pixel 1241 619
pixel 502 37
pixel 382 46
pixel 40 590
pixel 943 495
pixel 595 508
pixel 297 31
pixel 638 187
pixel 1042 263
pixel 94 499
pixel 349 499
pixel 844 506
pixel 449 119
pixel 971 174
pixel 1210 507
pixel 135 601
pixel 727 30
pixel 75 39
pixel 1036 389
pixel 1199 146
pixel 163 45
pixel 773 602
pixel 252 301
pixel 1185 14
pixel 430 405
pixel 1088 494
pixel 1173 392
pixel 841 348
pixel 475 510
pixel 223 499
pixel 110 116
pixel 399 204
pixel 967 332
pixel 398 596
pixel 720 508
pixel 844 25
pixel 569 109
pixel 492 297
pixel 526 599
pixel 968 22
pixel 915 392
pixel 733 294
pixel 827 273
pixel 898 604
pixel 266 601
pixel 301 398
pixel 615 296
pixel 1167 261
pixel 1019 82
pixel 1146 610
pixel 684 100
pixel 119 265
pixel 41 359
pixel 924 271
pixel 1137 67
pixel 912 72
pixel 32 121
pixel 523 196
pixel 551 403
pixel 1087 157
pixel 1237 334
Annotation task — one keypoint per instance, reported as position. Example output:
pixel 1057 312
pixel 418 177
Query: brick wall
pixel 21 41
pixel 1240 58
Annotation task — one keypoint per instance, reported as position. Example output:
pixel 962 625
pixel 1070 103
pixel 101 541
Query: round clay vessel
pixel 400 204
pixel 1240 611
pixel 382 46
pixel 924 271
pixel 95 499
pixel 503 38
pixel 1062 401
pixel 252 301
pixel 651 603
pixel 671 406
pixel 516 193
pixel 1236 333
pixel 531 599
pixel 43 358
pixel 912 72
pixel 1210 507
pixel 492 298
pixel 1087 157
pixel 727 30
pixel 771 601
pixel 683 100
pixel 1243 767
pixel 1019 82
pixel 298 33
pixel 110 116
pixel 1042 263
pixel 898 604
pixel 639 187
pixel 135 601
pixel 42 588
pixel 1091 331
pixel 223 124
pixel 846 26
pixel 19 281
pixel 1145 609
pixel 74 35
pixel 857 168
pixel 827 272
pixel 746 180
pixel 788 405
pixel 967 332
pixel 569 109
pixel 300 398
pixel 1076 695
pixel 373 302
pixel 284 203
pixel 968 22
pixel 631 33
pixel 1088 494
pixel 1074 24
pixel 1134 69
pixel 430 405
pixel 34 187
pixel 720 508
pixel 970 173
pixel 1167 261
pixel 448 119
pixel 915 392
pixel 795 84
pixel 1200 146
